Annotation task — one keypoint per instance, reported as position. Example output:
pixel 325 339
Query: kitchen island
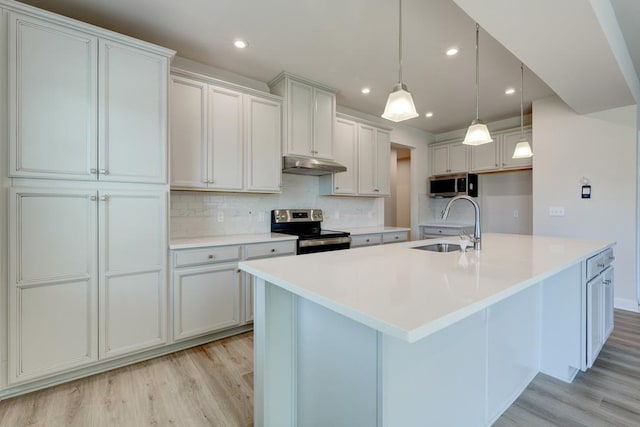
pixel 396 336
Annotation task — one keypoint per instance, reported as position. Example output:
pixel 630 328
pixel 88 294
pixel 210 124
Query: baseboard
pixel 626 304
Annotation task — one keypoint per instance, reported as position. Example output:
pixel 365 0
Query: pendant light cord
pixel 477 73
pixel 400 43
pixel 521 101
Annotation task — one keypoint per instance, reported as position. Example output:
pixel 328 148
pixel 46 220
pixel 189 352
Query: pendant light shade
pixel 478 133
pixel 400 102
pixel 400 105
pixel 523 149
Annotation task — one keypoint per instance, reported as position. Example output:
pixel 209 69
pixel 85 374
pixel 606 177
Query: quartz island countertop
pixel 410 293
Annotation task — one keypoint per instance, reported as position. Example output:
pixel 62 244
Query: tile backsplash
pixel 195 214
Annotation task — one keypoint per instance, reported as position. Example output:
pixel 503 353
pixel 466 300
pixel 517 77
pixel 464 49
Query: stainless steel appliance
pixel 309 166
pixel 305 223
pixel 463 184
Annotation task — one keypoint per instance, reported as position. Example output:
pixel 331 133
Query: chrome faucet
pixel 476 232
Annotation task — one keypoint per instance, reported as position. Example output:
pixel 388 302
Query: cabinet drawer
pixel 399 236
pixel 599 262
pixel 210 255
pixel 270 249
pixel 366 240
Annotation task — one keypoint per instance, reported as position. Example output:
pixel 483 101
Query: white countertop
pixel 355 231
pixel 235 239
pixel 409 293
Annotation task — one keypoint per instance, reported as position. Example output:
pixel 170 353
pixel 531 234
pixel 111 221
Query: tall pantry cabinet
pixel 87 196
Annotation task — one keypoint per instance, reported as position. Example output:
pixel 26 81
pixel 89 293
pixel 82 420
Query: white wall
pixel 506 200
pixel 601 147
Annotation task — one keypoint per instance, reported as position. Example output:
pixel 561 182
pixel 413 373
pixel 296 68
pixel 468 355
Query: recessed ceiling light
pixel 365 90
pixel 429 114
pixel 510 91
pixel 452 51
pixel 240 44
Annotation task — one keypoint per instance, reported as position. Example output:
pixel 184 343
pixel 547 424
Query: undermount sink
pixel 439 247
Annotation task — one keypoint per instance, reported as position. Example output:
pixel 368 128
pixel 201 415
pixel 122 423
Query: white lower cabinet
pixel 372 239
pixel 206 290
pixel 599 275
pixel 57 290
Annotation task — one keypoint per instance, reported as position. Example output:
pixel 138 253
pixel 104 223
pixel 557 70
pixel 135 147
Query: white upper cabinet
pixel 224 139
pixel 53 100
pixel 58 129
pixel 374 148
pixel 309 114
pixel 189 129
pixel 133 114
pixel 499 154
pixel 365 150
pixel 263 132
pixel 509 142
pixel 485 157
pixel 448 158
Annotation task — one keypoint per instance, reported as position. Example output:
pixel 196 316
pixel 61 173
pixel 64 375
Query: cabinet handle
pixel 211 257
pixel 238 270
pixel 376 190
pixel 104 198
pixel 273 251
pixel 607 282
pixel 93 198
pixel 367 240
pixel 612 258
pixel 600 265
pixel 93 171
pixel 397 237
pixel 337 188
pixel 496 165
pixel 104 171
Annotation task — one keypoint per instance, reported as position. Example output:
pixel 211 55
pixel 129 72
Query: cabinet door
pixel 133 114
pixel 509 142
pixel 299 119
pixel 226 154
pixel 133 285
pixel 53 297
pixel 595 319
pixel 188 133
pixel 383 159
pixel 264 141
pixel 206 299
pixel 607 280
pixel 367 160
pixel 53 100
pixel 458 158
pixel 346 147
pixel 440 160
pixel 485 157
pixel 323 119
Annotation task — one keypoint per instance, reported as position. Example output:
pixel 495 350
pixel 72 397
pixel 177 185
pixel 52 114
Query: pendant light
pixel 400 103
pixel 478 133
pixel 523 149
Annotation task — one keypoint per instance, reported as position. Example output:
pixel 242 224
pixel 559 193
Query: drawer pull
pixel 211 257
pixel 397 237
pixel 606 282
pixel 600 265
pixel 367 240
pixel 273 251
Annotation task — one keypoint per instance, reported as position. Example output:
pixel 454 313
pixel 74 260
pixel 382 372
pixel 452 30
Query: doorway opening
pixel 397 207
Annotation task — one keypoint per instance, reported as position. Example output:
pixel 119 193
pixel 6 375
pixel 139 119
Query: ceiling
pixel 586 52
pixel 343 44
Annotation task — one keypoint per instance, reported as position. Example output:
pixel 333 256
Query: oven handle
pixel 323 242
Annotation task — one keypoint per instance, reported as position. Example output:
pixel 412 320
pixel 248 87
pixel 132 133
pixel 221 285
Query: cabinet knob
pixel 104 171
pixel 273 251
pixel 376 190
pixel 93 171
pixel 496 165
pixel 104 198
pixel 607 282
pixel 211 257
pixel 367 240
pixel 337 188
pixel 93 198
pixel 600 265
pixel 397 237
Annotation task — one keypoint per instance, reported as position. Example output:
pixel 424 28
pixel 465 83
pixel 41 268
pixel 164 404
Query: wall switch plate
pixel 556 211
pixel 220 216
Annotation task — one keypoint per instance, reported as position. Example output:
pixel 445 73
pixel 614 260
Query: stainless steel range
pixel 305 223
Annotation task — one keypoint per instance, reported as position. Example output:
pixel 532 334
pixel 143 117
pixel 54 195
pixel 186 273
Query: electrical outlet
pixel 220 216
pixel 556 211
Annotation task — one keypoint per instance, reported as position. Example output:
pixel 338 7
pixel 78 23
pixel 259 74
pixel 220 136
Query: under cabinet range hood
pixel 309 166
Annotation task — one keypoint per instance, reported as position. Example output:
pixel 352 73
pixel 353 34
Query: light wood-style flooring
pixel 211 385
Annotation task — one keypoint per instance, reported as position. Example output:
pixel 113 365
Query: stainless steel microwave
pixel 453 185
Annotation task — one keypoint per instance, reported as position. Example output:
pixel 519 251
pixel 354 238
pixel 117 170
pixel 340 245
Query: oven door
pixel 310 246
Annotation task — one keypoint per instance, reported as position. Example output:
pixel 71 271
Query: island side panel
pixel 564 323
pixel 274 362
pixel 337 369
pixel 439 380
